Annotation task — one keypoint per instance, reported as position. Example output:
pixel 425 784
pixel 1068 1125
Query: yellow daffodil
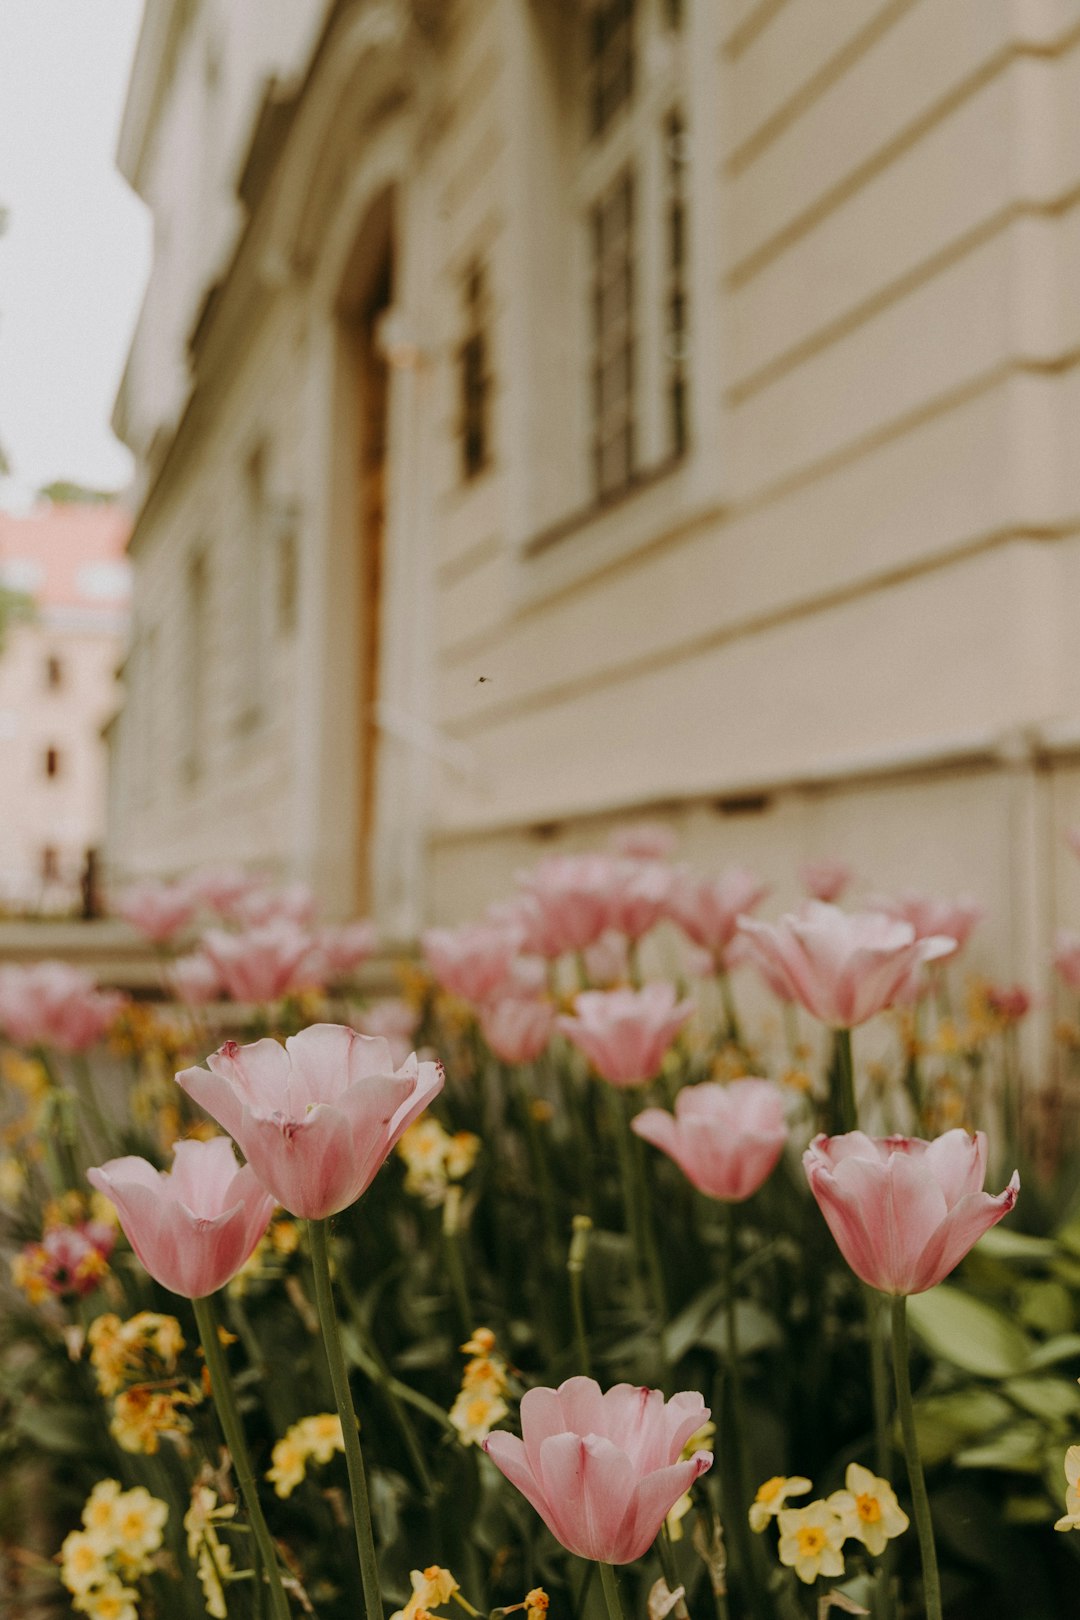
pixel 312 1439
pixel 140 1519
pixel 99 1514
pixel 430 1587
pixel 142 1415
pixel 475 1413
pixel 82 1562
pixel 537 1604
pixel 113 1601
pixel 810 1541
pixel 869 1509
pixel 772 1495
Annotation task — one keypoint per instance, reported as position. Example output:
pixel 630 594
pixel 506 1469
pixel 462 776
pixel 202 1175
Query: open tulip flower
pixel 54 1004
pixel 904 1212
pixel 261 963
pixel 603 1470
pixel 317 1117
pixel 625 1034
pixel 194 1228
pixel 157 910
pixel 725 1139
pixel 844 968
pixel 708 909
pixel 930 916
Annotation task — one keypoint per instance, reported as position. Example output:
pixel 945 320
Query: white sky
pixel 76 252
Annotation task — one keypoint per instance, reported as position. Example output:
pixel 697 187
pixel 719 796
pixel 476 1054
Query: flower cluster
pixel 479 1404
pixel 133 1362
pixel 812 1537
pixel 213 1559
pixel 312 1440
pixel 434 1158
pixel 121 1533
pixel 69 1262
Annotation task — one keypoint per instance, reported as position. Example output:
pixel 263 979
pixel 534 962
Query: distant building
pixel 550 411
pixel 66 586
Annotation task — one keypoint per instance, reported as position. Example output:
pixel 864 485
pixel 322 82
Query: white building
pixel 552 411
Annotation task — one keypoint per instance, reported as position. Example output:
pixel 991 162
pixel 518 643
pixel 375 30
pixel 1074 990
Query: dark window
pixel 54 673
pixel 673 13
pixel 52 762
pixel 610 54
pixel 613 337
pixel 50 864
pixel 288 581
pixel 675 297
pixel 475 377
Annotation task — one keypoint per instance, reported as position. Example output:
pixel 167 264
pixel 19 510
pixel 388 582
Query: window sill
pixel 656 506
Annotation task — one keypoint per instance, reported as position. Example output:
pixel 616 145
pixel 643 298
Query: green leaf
pixel 968 1333
pixel 1000 1243
pixel 1049 1398
pixel 945 1422
pixel 1017 1449
pixel 1063 1347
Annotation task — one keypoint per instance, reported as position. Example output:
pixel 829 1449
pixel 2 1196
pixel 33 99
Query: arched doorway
pixel 367 293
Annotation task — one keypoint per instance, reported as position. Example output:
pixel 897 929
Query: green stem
pixel 731 1017
pixel 610 1582
pixel 845 1114
pixel 233 1430
pixel 920 1502
pixel 734 1484
pixel 455 1268
pixel 575 1266
pixel 354 1459
pixel 879 1381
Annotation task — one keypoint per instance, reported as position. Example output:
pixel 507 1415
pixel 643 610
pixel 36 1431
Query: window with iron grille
pixel 613 336
pixel 475 376
pixel 633 188
pixel 675 297
pixel 610 55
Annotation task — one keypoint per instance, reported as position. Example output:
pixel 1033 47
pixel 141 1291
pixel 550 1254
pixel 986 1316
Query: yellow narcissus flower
pixel 321 1435
pixel 430 1587
pixel 810 1541
pixel 312 1439
pixel 113 1601
pixel 12 1181
pixel 140 1519
pixel 142 1414
pixel 82 1562
pixel 869 1509
pixel 475 1413
pixel 99 1514
pixel 288 1463
pixel 1071 1520
pixel 537 1604
pixel 772 1495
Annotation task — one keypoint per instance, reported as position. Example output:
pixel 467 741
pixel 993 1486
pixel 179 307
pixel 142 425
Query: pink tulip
pixel 625 1034
pixel 844 968
pixel 69 1260
pixel 157 910
pixel 194 1228
pixel 638 896
pixel 566 903
pixel 825 880
pixel 223 888
pixel 294 903
pixel 645 841
pixel 55 1004
pixel 607 963
pixel 1010 1002
pixel 518 1028
pixel 345 947
pixel 474 961
pixel 395 1020
pixel 195 980
pixel 725 1139
pixel 904 1212
pixel 1066 960
pixel 317 1117
pixel 708 909
pixel 602 1470
pixel 931 917
pixel 261 964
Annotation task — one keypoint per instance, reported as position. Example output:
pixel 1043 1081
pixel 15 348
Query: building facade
pixel 550 411
pixel 66 587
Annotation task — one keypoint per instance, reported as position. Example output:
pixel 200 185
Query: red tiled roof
pixel 67 555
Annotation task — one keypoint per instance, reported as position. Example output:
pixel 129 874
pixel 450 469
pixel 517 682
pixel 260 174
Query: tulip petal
pixel 508 1454
pixel 653 1499
pixel 961 1229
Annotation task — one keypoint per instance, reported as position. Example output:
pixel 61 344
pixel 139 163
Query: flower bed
pixel 579 1183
